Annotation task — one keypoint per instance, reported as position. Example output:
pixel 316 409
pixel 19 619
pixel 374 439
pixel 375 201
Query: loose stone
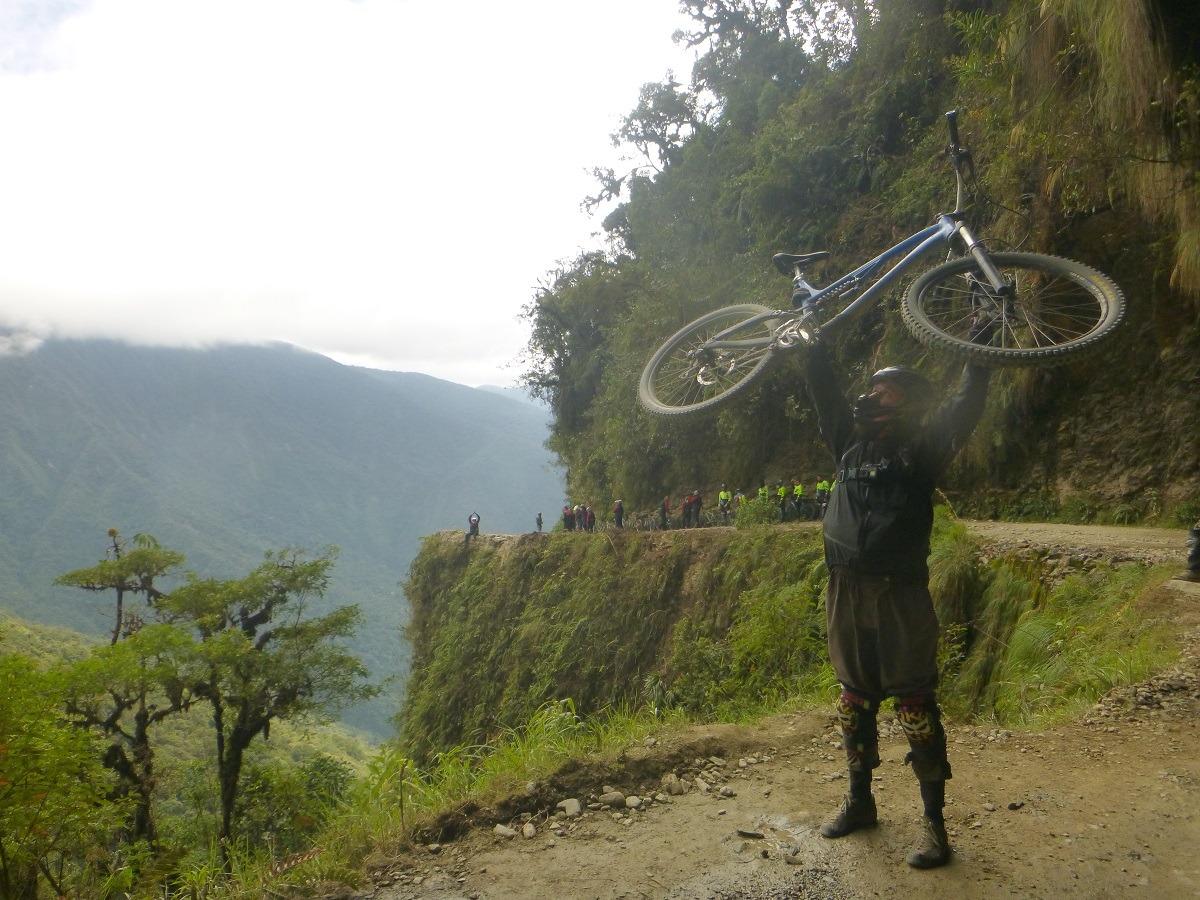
pixel 571 807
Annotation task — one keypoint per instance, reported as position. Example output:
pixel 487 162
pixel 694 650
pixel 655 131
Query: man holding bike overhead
pixel 891 446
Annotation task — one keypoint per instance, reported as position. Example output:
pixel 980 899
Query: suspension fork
pixel 986 266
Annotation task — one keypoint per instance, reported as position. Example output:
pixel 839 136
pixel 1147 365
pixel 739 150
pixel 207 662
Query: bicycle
pixel 995 309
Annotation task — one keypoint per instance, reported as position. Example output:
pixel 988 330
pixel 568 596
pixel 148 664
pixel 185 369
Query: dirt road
pixel 1102 808
pixel 1115 542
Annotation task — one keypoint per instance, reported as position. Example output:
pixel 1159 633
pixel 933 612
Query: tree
pixel 126 572
pixel 124 690
pixel 665 115
pixel 52 786
pixel 262 660
pixel 136 682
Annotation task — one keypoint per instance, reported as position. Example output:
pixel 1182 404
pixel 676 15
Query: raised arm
pixel 952 423
pixel 829 398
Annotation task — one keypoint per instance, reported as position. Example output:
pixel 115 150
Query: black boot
pixel 1193 559
pixel 857 809
pixel 933 849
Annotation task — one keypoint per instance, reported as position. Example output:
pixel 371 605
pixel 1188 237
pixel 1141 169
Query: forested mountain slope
pixel 228 452
pixel 818 126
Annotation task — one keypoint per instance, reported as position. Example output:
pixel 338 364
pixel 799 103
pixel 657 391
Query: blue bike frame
pixel 911 249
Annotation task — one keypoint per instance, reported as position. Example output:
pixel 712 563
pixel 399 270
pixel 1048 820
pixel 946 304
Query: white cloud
pixel 379 180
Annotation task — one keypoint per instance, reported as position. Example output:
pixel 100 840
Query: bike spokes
pixel 700 371
pixel 710 359
pixel 1042 310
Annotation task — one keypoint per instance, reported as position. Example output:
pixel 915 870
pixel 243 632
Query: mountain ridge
pixel 226 452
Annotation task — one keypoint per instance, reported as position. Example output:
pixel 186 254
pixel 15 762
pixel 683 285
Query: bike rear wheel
pixel 686 376
pixel 1058 308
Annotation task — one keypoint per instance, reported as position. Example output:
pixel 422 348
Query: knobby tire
pixel 1061 308
pixel 671 382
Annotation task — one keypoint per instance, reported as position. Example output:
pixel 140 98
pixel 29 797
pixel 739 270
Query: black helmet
pixel 917 389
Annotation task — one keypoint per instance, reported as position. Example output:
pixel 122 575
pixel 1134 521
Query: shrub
pixel 757 511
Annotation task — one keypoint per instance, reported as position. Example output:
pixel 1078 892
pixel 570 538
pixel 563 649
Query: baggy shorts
pixel 883 634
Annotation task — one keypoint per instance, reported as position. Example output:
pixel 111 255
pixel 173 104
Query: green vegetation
pixel 733 631
pixel 54 810
pixel 745 637
pixel 498 631
pixel 721 625
pixel 653 630
pixel 817 125
pixel 230 451
pixel 79 738
pixel 814 124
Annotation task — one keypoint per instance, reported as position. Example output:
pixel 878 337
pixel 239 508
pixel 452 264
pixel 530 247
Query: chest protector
pixel 880 512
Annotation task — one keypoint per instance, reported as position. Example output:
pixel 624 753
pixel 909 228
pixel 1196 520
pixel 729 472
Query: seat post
pixel 802 291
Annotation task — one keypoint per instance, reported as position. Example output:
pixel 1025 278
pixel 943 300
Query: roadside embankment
pixel 1038 622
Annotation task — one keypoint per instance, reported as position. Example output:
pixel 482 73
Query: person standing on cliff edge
pixel 891 446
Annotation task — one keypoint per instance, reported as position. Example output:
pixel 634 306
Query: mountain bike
pixel 991 308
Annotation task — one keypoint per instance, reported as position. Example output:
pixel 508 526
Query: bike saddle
pixel 786 262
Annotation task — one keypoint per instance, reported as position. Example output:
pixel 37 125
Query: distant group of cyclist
pixel 582 517
pixel 794 501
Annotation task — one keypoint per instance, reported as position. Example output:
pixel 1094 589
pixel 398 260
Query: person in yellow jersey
pixel 822 497
pixel 725 503
pixel 799 505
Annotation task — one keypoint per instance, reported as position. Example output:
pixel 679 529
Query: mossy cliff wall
pixel 720 622
pixel 504 625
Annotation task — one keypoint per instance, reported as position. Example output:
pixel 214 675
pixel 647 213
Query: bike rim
pixel 691 373
pixel 1047 308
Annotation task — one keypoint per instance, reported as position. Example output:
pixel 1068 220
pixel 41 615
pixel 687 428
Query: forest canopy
pixel 818 125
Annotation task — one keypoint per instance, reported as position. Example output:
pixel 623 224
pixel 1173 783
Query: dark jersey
pixel 880 512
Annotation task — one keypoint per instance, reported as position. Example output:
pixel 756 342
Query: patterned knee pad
pixel 860 734
pixel 922 724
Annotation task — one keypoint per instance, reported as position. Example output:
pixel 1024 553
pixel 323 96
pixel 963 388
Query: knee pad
pixel 860 733
pixel 922 724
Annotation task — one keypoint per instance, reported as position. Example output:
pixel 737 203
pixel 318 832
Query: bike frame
pixel 908 251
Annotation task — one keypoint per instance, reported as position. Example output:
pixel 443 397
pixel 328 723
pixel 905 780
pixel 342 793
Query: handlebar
pixel 952 121
pixel 959 156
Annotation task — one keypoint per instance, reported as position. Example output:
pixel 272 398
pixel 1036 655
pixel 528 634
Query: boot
pixel 933 849
pixel 1193 559
pixel 855 812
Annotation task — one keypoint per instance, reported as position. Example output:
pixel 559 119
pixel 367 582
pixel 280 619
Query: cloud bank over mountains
pixel 381 181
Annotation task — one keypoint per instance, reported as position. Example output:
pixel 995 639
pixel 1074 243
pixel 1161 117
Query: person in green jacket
pixel 822 497
pixel 799 504
pixel 725 503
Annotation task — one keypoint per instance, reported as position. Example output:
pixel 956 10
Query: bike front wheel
pixel 1057 308
pixel 687 375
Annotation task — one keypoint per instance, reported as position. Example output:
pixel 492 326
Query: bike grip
pixel 952 121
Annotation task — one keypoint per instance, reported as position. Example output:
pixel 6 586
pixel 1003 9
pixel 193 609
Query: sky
pixel 382 181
